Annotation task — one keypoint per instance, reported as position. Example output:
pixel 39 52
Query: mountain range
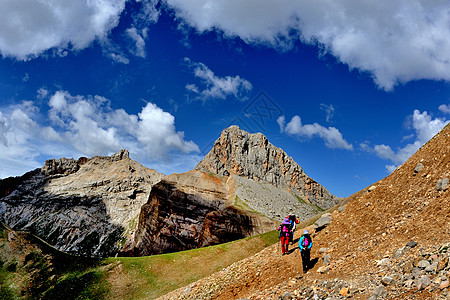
pixel 107 206
pixel 390 240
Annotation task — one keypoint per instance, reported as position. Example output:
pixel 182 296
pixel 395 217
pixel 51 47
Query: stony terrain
pixel 85 206
pixel 253 157
pixel 271 201
pixel 388 241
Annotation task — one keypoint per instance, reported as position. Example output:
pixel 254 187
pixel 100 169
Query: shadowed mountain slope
pixel 193 210
pixel 85 206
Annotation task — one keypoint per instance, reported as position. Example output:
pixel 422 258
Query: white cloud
pixel 42 93
pixel 119 58
pixel 329 110
pixel 138 40
pixel 3 130
pixel 86 126
pixel 217 87
pixel 148 13
pixel 92 127
pixel 29 27
pixel 384 152
pixel 390 168
pixel 444 108
pixel 281 120
pixel 395 43
pixel 332 137
pixel 424 128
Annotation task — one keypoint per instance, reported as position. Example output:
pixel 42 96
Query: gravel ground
pixel 272 202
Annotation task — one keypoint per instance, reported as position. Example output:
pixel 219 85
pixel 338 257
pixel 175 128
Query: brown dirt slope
pixel 366 242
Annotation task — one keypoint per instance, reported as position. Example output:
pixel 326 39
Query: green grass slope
pixel 31 269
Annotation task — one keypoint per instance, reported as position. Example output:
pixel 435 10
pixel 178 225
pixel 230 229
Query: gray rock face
pixel 86 206
pixel 252 156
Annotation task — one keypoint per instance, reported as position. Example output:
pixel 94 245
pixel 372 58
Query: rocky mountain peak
pixel 87 206
pixel 66 166
pixel 122 154
pixel 253 156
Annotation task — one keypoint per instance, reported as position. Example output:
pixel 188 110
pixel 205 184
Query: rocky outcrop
pixel 252 156
pixel 192 210
pixel 85 206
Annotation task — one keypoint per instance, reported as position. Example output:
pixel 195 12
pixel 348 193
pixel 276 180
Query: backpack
pixel 305 242
pixel 285 229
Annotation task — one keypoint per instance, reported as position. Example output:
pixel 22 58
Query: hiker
pixel 285 231
pixel 305 244
pixel 293 220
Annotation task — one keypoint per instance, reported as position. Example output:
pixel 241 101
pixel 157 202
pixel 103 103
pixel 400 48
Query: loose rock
pixel 423 282
pixel 418 168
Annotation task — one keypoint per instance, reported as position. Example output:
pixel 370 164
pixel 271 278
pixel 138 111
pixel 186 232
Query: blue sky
pixel 349 89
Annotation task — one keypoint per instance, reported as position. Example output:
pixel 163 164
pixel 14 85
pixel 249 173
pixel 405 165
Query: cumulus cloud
pixel 424 128
pixel 92 127
pixel 395 43
pixel 29 27
pixel 215 87
pixel 332 137
pixel 86 126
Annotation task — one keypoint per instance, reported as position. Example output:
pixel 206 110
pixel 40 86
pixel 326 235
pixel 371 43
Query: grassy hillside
pixel 32 269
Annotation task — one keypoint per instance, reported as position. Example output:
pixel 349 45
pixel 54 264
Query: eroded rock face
pixel 252 156
pixel 191 210
pixel 85 206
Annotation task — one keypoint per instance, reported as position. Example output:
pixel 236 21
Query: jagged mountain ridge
pixel 253 156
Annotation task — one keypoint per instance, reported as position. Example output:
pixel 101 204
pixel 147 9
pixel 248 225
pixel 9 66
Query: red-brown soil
pixel 376 222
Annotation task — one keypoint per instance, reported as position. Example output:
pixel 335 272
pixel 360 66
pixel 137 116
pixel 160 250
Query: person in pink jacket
pixel 285 232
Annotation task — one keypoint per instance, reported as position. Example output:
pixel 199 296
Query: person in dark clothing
pixel 293 220
pixel 305 244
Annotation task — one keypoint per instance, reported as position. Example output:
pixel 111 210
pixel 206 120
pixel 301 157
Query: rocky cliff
pixel 252 156
pixel 85 206
pixel 192 210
